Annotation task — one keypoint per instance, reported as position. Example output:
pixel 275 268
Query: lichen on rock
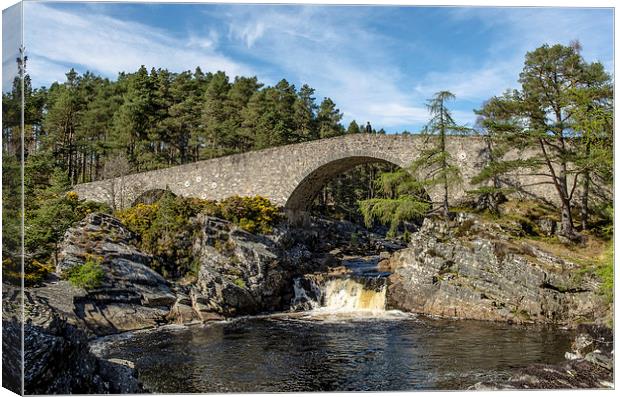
pixel 131 295
pixel 470 268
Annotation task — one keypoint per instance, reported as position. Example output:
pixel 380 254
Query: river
pixel 344 340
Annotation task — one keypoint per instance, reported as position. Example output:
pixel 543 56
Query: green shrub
pixel 88 275
pixel 239 282
pixel 139 218
pixel 253 214
pixel 167 232
pixel 606 272
pixel 393 212
pixel 50 212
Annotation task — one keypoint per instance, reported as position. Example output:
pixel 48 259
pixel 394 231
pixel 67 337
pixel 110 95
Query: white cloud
pixel 106 45
pixel 525 29
pixel 473 84
pixel 209 41
pixel 338 53
pixel 335 54
pixel 248 33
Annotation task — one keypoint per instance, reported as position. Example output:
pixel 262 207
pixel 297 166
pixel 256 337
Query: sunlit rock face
pixel 131 294
pixel 468 268
pixel 240 272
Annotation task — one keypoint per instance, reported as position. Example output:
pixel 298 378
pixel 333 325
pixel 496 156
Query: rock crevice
pixel 469 268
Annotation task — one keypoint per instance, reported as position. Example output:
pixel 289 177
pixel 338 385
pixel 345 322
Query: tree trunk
pixel 444 165
pixel 584 201
pixel 568 230
pixel 585 192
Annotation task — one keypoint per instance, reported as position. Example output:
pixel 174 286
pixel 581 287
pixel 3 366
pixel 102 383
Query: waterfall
pixel 339 294
pixel 307 297
pixel 349 295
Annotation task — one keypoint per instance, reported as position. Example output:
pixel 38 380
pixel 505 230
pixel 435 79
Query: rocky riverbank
pixel 56 353
pixel 589 365
pixel 475 269
pixel 464 268
pixel 238 273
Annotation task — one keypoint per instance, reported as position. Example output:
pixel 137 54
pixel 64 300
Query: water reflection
pixel 288 354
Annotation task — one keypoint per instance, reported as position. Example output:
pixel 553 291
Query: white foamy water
pixel 351 295
pixel 340 299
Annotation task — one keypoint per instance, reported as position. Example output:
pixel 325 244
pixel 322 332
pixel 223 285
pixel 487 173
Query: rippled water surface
pixel 284 353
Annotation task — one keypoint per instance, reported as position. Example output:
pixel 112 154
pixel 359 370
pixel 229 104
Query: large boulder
pixel 131 294
pixel 57 359
pixel 468 268
pixel 240 272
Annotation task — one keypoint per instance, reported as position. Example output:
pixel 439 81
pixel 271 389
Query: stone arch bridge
pixel 292 175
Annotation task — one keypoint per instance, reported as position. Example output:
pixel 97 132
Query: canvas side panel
pixel 12 174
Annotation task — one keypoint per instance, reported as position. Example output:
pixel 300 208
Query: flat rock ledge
pixel 57 358
pixel 471 269
pixel 131 295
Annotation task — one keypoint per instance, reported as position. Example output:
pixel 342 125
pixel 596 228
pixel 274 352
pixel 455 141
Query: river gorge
pixel 461 305
pixel 345 341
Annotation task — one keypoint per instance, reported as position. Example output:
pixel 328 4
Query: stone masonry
pixel 292 175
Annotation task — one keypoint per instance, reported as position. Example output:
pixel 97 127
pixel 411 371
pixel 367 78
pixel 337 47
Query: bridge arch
pixel 314 178
pixel 291 175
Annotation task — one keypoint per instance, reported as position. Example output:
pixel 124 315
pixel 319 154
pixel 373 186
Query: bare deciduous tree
pixel 115 169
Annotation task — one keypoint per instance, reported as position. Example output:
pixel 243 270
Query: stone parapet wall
pixel 291 175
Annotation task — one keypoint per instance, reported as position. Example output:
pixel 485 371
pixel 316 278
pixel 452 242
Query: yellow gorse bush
pixel 73 196
pixel 254 214
pixel 35 271
pixel 138 218
pixel 166 230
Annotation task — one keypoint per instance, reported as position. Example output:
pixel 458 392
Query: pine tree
pixel 403 200
pixel 435 166
pixel 353 128
pixel 133 119
pixel 214 115
pixel 547 119
pixel 305 115
pixel 405 197
pixel 592 119
pixel 283 97
pixel 328 119
pixel 239 96
pixel 61 122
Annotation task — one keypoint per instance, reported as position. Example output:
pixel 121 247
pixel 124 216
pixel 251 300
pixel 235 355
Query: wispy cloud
pixel 519 30
pixel 56 38
pixel 471 84
pixel 337 55
pixel 379 64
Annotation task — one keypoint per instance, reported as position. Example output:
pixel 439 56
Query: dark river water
pixel 286 354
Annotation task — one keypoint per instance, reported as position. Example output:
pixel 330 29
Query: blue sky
pixel 377 63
